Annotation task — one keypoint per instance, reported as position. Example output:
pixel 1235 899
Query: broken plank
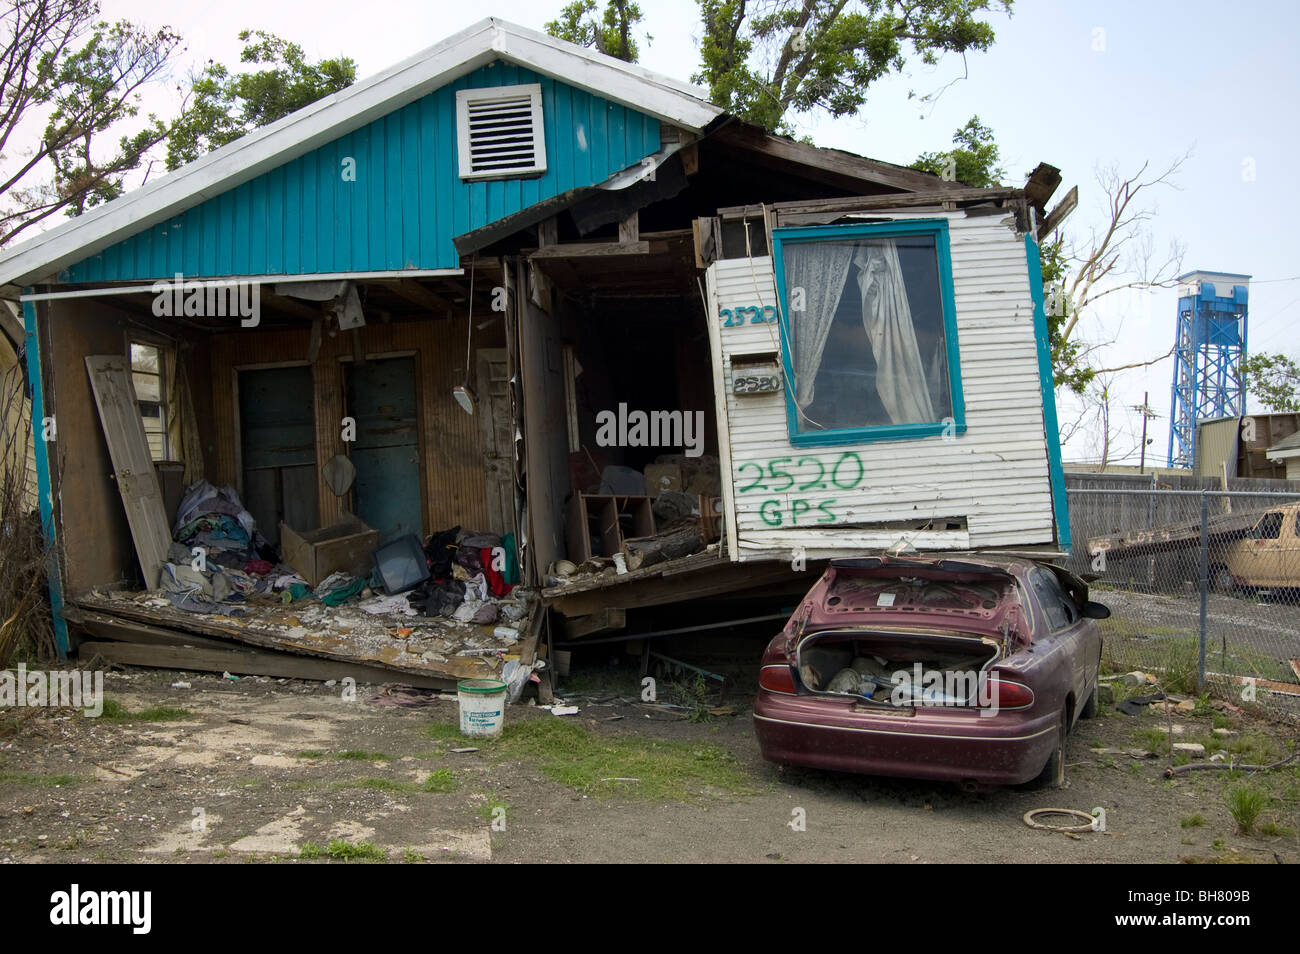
pixel 1059 214
pixel 591 249
pixel 605 620
pixel 137 481
pixel 104 627
pixel 250 662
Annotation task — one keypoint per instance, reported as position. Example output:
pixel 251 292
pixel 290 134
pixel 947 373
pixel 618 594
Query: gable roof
pixel 1287 447
pixel 333 116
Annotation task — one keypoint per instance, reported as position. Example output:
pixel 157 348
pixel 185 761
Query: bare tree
pixel 1121 256
pixel 70 87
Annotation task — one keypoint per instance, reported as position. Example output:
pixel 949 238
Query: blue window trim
pixel 887 432
pixel 1052 432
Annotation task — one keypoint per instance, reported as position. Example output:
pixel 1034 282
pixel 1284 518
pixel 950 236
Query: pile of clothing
pixel 214 518
pixel 218 557
pixel 472 576
pixel 219 560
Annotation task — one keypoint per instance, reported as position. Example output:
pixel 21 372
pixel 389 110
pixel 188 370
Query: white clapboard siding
pixel 995 475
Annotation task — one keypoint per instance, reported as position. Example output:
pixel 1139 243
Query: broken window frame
pixel 955 424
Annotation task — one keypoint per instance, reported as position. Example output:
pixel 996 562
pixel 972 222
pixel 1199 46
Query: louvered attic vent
pixel 499 132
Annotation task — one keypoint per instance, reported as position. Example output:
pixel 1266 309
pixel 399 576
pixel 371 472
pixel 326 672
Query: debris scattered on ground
pixel 1031 818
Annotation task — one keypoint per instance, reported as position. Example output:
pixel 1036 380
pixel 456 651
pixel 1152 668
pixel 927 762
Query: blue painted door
pixel 277 426
pixel 381 397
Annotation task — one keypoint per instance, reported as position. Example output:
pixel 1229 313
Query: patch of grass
pixel 489 811
pixel 1245 803
pixel 1182 666
pixel 576 757
pixel 1196 820
pixel 411 856
pixel 1254 749
pixel 443 731
pixel 441 780
pixel 341 850
pixel 40 781
pixel 1153 740
pixel 1273 829
pixel 115 711
pixel 311 754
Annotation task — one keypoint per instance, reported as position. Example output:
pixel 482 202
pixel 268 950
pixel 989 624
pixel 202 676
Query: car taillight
pixel 777 678
pixel 1005 694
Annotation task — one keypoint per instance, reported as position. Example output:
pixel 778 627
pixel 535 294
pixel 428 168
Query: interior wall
pixel 93 532
pixel 451 448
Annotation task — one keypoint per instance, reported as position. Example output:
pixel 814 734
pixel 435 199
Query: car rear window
pixel 1057 605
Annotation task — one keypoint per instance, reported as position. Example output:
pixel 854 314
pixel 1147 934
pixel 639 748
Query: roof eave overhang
pixel 43 257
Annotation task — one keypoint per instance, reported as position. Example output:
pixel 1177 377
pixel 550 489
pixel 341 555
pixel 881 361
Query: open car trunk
pixel 889 668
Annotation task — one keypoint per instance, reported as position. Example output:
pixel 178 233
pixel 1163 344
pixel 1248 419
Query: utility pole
pixel 1148 414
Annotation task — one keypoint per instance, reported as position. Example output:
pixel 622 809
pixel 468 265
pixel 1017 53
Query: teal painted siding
pixel 1056 471
pixel 406 204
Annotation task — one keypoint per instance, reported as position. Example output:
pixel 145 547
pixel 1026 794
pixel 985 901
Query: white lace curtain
pixel 817 276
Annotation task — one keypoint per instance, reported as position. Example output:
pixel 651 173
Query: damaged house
pixel 516 332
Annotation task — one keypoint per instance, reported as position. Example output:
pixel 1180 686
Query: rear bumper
pixel 944 744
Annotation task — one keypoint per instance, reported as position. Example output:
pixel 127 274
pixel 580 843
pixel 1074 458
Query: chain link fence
pixel 1203 586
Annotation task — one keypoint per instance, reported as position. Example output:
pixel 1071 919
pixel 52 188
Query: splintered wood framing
pixel 137 482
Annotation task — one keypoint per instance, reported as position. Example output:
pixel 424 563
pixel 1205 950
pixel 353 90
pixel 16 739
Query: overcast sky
pixel 1082 85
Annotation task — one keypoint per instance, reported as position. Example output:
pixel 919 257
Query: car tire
pixel 1053 773
pixel 1093 705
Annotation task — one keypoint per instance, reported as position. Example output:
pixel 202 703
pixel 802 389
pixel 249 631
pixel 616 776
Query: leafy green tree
pixel 763 58
pixel 611 33
pixel 1274 380
pixel 226 105
pixel 70 124
pixel 972 161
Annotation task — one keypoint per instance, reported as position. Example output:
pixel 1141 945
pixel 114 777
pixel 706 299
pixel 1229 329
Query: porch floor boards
pixel 438 648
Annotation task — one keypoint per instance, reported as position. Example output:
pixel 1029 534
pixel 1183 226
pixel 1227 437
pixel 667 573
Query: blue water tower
pixel 1209 348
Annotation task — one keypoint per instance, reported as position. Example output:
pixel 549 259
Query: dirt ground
pixel 262 769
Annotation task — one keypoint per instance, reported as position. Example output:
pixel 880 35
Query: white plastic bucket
pixel 482 706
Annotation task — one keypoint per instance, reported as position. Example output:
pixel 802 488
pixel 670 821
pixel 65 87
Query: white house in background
pixel 1287 451
pixel 884 379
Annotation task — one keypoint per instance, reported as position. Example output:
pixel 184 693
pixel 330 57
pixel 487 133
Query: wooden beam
pixel 869 202
pixel 289 306
pixel 1059 214
pixel 603 621
pixel 705 233
pixel 1042 182
pixel 548 232
pixel 250 662
pixel 591 249
pixel 834 161
pixel 109 627
pixel 721 579
pixel 690 158
pixel 414 291
pixel 629 229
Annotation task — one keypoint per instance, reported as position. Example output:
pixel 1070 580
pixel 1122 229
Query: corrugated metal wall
pixel 406 204
pixel 995 475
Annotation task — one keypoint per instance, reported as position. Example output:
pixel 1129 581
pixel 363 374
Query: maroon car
pixel 965 670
